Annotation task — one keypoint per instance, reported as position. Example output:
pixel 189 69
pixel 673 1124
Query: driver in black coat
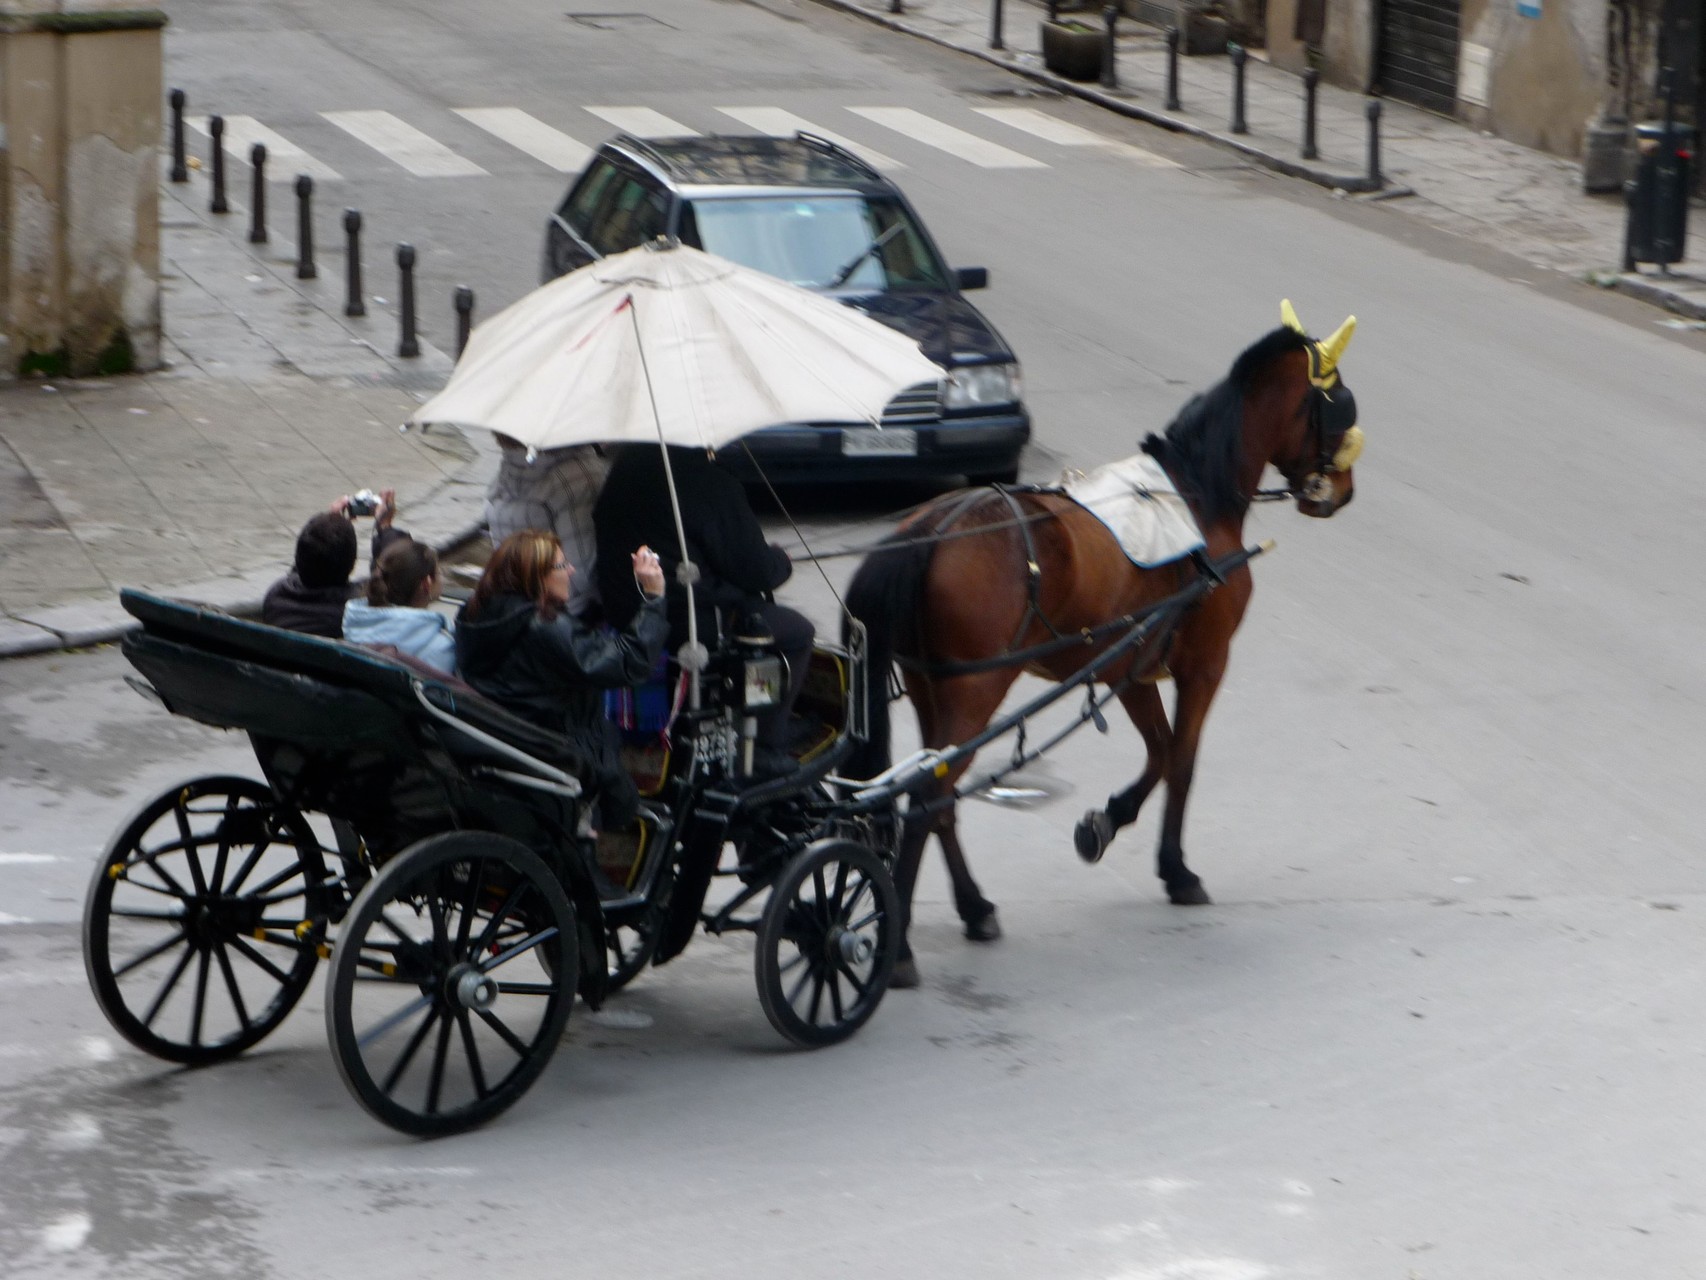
pixel 738 568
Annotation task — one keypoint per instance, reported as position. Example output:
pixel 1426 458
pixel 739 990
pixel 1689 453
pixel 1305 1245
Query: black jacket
pixel 318 611
pixel 553 672
pixel 737 567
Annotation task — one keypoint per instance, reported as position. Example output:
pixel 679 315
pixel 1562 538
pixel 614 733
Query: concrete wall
pixel 79 173
pixel 1544 77
pixel 1347 51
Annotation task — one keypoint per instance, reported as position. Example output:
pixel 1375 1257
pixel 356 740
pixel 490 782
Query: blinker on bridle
pixel 1332 410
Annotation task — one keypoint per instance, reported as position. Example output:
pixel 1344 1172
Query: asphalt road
pixel 1442 1021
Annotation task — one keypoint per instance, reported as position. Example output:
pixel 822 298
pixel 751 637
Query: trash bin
pixel 1658 194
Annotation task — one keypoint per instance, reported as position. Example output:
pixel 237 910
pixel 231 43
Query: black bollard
pixel 894 6
pixel 1110 73
pixel 464 317
pixel 1311 80
pixel 1239 56
pixel 1372 111
pixel 995 25
pixel 1172 69
pixel 216 127
pixel 407 345
pixel 1054 10
pixel 180 166
pixel 258 193
pixel 305 268
pixel 354 304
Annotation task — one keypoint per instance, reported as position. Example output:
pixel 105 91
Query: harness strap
pixel 1033 572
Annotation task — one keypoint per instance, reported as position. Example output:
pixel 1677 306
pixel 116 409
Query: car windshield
pixel 811 239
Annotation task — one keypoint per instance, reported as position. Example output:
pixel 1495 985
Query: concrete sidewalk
pixel 1437 170
pixel 194 480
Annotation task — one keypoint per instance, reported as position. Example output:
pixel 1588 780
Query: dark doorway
pixel 1418 52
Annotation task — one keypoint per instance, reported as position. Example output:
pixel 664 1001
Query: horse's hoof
pixel 1189 895
pixel 905 975
pixel 986 928
pixel 1093 834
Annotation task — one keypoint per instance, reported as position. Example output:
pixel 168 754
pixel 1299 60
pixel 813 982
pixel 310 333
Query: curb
pixel 1644 289
pixel 1353 184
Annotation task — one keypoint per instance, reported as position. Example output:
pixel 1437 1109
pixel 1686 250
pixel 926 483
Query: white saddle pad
pixel 1136 499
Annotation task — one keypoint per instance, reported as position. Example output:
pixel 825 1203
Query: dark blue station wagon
pixel 811 212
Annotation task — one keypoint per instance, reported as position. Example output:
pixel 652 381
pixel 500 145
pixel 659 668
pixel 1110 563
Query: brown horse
pixel 944 597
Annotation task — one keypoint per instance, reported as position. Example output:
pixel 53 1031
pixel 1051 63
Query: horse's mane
pixel 1203 447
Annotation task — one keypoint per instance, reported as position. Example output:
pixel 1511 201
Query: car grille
pixel 921 402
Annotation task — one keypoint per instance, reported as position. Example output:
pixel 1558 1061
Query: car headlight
pixel 976 385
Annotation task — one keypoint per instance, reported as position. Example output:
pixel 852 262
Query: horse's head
pixel 1318 466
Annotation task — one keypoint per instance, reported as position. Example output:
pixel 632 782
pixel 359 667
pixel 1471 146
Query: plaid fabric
pixel 556 493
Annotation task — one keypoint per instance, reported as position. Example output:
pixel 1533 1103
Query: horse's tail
pixel 884 595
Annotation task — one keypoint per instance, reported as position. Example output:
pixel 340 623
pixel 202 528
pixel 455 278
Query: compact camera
pixel 364 503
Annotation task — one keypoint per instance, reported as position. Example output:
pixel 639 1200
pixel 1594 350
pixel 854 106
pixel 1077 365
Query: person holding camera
pixel 311 597
pixel 517 643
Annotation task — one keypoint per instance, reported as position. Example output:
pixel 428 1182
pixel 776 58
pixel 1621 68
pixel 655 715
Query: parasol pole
pixel 693 654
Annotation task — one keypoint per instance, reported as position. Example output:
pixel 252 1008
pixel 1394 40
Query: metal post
pixel 1110 73
pixel 464 317
pixel 305 268
pixel 1238 59
pixel 354 304
pixel 180 166
pixel 216 127
pixel 995 25
pixel 894 6
pixel 1372 111
pixel 1172 69
pixel 1054 10
pixel 407 345
pixel 258 193
pixel 1311 81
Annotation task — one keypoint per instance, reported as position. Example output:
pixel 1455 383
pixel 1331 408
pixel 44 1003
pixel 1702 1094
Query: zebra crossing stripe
pixel 945 137
pixel 643 122
pixel 284 158
pixel 784 124
pixel 403 144
pixel 535 137
pixel 1039 124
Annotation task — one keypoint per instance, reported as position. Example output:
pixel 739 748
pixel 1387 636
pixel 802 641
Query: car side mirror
pixel 972 277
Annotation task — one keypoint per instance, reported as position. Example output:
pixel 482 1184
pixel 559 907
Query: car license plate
pixel 897 442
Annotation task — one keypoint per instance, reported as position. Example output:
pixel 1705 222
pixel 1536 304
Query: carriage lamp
pixel 975 385
pixel 761 685
pixel 757 681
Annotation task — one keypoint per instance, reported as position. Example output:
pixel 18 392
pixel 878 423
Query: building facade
pixel 1560 75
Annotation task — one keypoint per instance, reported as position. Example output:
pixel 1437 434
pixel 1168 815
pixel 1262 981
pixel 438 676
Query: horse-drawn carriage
pixel 436 849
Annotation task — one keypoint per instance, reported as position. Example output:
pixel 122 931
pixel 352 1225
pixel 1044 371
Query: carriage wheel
pixel 452 979
pixel 827 942
pixel 630 946
pixel 203 919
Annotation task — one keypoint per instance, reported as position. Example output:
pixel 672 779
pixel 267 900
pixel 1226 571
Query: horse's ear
pixel 1288 317
pixel 1334 347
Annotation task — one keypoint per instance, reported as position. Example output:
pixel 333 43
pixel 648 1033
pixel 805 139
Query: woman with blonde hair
pixel 517 644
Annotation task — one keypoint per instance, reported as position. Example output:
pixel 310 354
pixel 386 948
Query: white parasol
pixel 668 343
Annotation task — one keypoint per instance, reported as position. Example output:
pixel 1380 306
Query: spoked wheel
pixel 452 979
pixel 827 942
pixel 629 947
pixel 202 922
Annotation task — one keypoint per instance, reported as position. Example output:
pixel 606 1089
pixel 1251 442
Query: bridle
pixel 1331 408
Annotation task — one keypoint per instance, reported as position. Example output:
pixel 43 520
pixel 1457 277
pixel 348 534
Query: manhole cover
pixel 616 21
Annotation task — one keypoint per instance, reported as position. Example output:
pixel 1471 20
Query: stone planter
pixel 1073 50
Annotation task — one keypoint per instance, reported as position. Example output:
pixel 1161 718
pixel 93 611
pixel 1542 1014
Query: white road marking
pixel 67 1233
pixel 284 158
pixel 643 122
pixel 1039 124
pixel 79 1132
pixel 527 133
pixel 945 137
pixel 784 124
pixel 6 918
pixel 17 859
pixel 96 1048
pixel 403 144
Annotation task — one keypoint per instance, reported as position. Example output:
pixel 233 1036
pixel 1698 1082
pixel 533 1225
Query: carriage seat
pixel 236 674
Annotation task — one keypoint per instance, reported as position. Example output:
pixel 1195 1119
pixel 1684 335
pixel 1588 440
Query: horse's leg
pixel 1196 693
pixel 1095 830
pixel 914 834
